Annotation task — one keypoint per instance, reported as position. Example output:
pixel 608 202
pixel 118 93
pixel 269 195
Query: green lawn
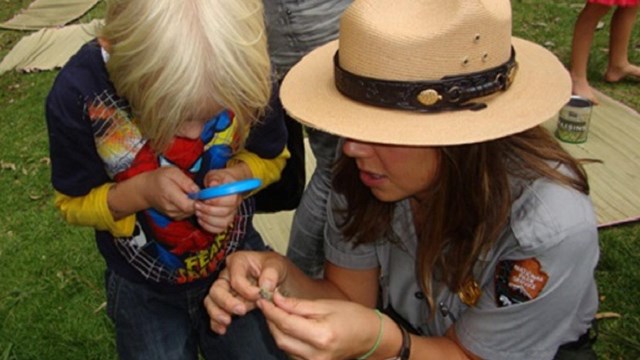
pixel 51 294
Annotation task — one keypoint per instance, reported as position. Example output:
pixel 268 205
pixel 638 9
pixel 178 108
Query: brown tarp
pixel 49 13
pixel 48 48
pixel 614 138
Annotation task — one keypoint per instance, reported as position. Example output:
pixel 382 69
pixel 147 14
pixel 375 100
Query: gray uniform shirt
pixel 550 223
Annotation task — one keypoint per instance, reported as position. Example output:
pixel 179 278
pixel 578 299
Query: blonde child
pixel 172 97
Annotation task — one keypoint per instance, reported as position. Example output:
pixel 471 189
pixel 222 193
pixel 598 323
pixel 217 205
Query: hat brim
pixel 541 87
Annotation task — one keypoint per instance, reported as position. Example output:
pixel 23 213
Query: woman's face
pixel 394 172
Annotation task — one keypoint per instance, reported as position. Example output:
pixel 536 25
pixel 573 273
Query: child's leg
pixel 581 46
pixel 247 338
pixel 621 27
pixel 149 324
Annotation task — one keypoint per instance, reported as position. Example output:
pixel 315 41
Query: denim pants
pixel 295 28
pixel 174 326
pixel 306 240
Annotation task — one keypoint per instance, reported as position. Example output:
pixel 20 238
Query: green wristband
pixel 378 339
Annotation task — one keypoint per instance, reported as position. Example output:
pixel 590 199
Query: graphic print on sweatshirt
pixel 163 249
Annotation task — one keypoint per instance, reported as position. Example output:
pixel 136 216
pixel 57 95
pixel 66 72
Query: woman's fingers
pixel 223 302
pixel 291 332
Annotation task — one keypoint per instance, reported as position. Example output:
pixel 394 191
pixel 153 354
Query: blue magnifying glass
pixel 226 189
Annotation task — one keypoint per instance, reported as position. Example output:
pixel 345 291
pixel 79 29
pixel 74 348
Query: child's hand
pixel 216 214
pixel 166 190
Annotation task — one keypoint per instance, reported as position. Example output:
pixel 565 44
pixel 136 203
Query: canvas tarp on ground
pixel 48 48
pixel 614 139
pixel 48 13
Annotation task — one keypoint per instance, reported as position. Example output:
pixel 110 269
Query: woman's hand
pixel 240 284
pixel 321 329
pixel 223 302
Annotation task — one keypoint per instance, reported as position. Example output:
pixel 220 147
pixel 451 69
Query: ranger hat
pixel 426 72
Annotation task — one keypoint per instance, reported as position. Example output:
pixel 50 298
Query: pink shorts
pixel 615 2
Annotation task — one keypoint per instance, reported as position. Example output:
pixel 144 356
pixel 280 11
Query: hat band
pixel 449 93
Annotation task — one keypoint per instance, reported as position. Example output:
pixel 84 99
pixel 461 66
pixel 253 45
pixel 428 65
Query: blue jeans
pixel 174 326
pixel 306 240
pixel 296 27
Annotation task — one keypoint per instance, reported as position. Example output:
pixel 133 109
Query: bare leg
pixel 621 27
pixel 583 33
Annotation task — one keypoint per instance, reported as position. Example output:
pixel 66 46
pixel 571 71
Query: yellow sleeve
pixel 93 210
pixel 267 170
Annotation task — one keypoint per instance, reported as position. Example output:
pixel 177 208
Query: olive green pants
pixel 581 349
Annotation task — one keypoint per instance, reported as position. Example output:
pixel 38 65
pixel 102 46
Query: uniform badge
pixel 518 281
pixel 470 293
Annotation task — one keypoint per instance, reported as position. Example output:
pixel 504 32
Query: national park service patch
pixel 518 281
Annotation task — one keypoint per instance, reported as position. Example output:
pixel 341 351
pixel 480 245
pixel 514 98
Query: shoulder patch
pixel 517 281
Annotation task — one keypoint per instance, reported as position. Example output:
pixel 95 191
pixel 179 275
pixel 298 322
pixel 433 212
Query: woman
pixel 451 210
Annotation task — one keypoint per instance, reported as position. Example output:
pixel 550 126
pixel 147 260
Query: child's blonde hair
pixel 175 60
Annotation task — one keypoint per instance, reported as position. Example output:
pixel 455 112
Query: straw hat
pixel 426 72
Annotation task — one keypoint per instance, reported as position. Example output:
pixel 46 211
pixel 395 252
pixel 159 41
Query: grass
pixel 51 293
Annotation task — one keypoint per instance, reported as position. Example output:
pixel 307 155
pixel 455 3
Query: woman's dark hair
pixel 467 207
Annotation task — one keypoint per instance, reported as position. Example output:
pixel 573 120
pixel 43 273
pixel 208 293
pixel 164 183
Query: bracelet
pixel 405 350
pixel 378 339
